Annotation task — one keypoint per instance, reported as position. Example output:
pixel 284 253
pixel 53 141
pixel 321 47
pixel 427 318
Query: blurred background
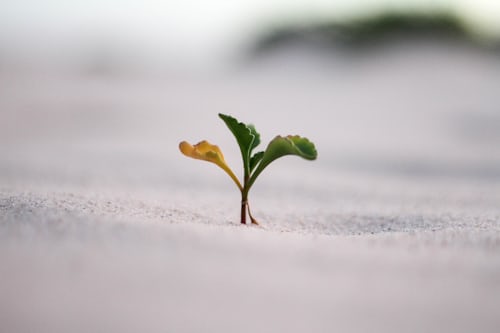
pixel 101 92
pixel 163 36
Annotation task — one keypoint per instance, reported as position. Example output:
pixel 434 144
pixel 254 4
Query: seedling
pixel 253 164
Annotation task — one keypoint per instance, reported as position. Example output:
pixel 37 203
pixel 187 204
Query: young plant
pixel 253 164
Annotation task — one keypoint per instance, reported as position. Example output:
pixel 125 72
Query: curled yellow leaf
pixel 205 151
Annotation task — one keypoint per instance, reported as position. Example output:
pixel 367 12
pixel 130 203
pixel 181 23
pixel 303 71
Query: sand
pixel 106 227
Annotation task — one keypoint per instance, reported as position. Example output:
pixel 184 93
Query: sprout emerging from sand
pixel 253 164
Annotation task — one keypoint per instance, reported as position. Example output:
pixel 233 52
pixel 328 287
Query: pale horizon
pixel 188 32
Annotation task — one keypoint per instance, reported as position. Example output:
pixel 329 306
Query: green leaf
pixel 282 146
pixel 255 160
pixel 254 132
pixel 246 136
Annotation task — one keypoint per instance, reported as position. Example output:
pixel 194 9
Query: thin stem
pixel 244 204
pixel 232 175
pixel 254 221
pixel 244 200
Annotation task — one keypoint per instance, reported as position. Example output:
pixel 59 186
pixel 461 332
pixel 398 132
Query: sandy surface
pixel 105 227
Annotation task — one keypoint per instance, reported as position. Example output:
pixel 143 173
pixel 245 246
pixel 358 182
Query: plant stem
pixel 244 204
pixel 254 221
pixel 244 198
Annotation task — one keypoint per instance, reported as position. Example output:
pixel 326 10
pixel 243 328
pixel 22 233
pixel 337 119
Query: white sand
pixel 105 227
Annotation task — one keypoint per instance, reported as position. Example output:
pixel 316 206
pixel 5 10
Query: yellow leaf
pixel 207 152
